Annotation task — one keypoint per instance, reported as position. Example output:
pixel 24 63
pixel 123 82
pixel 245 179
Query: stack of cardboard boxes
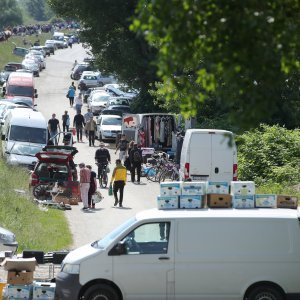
pixel 237 194
pixel 20 281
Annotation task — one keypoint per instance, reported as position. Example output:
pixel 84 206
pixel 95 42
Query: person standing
pixel 79 123
pixel 53 127
pixel 85 178
pixel 71 94
pixel 118 179
pixel 78 102
pixel 122 146
pixel 87 116
pixel 136 159
pixel 90 127
pixel 93 187
pixel 65 121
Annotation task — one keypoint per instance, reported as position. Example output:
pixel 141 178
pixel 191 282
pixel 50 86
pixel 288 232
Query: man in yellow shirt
pixel 118 179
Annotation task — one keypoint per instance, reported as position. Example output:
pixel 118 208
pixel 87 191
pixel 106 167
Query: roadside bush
pixel 270 154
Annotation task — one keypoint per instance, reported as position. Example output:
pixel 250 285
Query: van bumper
pixel 67 286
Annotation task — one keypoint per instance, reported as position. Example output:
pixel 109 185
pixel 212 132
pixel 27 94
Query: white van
pixel 208 154
pixel 24 125
pixel 203 254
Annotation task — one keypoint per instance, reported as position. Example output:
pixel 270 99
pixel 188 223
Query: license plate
pixel 199 177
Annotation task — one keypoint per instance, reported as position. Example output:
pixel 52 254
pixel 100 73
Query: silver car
pixel 7 240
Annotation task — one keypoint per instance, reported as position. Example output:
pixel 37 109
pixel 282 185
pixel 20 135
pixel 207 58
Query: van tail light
pixel 34 179
pixel 235 174
pixel 186 170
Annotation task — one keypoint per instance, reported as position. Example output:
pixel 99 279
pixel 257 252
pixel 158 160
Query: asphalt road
pixel 87 226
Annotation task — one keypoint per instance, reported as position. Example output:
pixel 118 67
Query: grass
pixel 7 47
pixel 34 229
pixel 278 189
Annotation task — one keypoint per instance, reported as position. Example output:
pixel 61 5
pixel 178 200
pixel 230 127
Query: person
pixel 87 116
pixel 78 102
pixel 65 121
pixel 90 127
pixel 85 178
pixel 75 63
pixel 102 158
pixel 79 123
pixel 93 187
pixel 53 127
pixel 71 94
pixel 122 147
pixel 73 85
pixel 118 179
pixel 136 158
pixel 127 163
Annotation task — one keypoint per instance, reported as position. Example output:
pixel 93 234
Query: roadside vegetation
pixel 45 230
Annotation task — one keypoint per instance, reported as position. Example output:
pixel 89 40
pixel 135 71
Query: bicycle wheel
pixel 41 192
pixel 104 180
pixel 151 173
pixel 163 175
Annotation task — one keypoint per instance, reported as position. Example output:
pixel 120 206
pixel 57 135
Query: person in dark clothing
pixel 93 187
pixel 79 124
pixel 136 159
pixel 53 127
pixel 102 158
pixel 66 121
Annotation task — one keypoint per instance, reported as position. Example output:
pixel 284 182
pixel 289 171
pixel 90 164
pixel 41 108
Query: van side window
pixel 151 238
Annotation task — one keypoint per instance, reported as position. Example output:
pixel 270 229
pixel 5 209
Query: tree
pixel 245 53
pixel 117 50
pixel 39 9
pixel 10 13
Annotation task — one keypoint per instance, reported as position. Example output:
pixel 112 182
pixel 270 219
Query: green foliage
pixel 19 214
pixel 10 14
pixel 39 9
pixel 270 154
pixel 245 53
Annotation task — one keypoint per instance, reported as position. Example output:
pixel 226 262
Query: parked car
pixel 27 101
pixel 19 51
pixel 40 49
pixel 105 79
pixel 51 46
pixel 98 101
pixel 78 69
pixel 120 109
pixel 3 77
pixel 7 240
pixel 89 79
pixel 32 66
pixel 39 56
pixel 118 90
pixel 15 64
pixel 108 127
pixel 118 101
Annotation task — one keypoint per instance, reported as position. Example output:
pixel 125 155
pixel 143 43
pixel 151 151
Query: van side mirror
pixel 118 249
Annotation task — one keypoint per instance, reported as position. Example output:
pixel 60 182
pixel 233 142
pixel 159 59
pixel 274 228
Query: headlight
pixel 70 269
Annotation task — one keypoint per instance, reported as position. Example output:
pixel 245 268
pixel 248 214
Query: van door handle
pixel 164 258
pixel 216 170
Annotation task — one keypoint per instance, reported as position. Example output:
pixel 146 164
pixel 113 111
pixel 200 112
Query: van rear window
pixel 28 134
pixel 15 90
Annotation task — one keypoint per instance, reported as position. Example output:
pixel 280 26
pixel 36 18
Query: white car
pixel 108 127
pixel 89 78
pixel 118 101
pixel 98 101
pixel 7 241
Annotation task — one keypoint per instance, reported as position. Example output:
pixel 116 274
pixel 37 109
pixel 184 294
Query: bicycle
pixel 102 174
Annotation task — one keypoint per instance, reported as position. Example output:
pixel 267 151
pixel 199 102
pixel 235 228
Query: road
pixel 87 226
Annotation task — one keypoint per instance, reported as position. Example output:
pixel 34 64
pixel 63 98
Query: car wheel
pixel 265 292
pixel 100 292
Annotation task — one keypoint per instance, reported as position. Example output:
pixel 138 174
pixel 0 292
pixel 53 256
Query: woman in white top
pixel 78 102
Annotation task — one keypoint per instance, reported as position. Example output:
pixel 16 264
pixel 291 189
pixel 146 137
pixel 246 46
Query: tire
pixel 265 292
pixel 104 181
pixel 100 292
pixel 151 174
pixel 41 192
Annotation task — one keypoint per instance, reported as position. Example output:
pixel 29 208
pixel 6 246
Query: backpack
pixel 137 157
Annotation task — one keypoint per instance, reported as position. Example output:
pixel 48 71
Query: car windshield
pixel 109 238
pixel 17 90
pixel 112 121
pixel 29 150
pixel 100 98
pixel 28 134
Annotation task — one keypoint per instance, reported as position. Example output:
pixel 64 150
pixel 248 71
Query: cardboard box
pixel 19 264
pixel 265 200
pixel 22 277
pixel 19 292
pixel 219 201
pixel 167 202
pixel 193 188
pixel 284 201
pixel 191 201
pixel 242 188
pixel 239 201
pixel 170 188
pixel 43 290
pixel 217 187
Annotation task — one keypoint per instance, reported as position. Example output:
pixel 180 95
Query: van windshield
pixel 28 134
pixel 109 238
pixel 16 90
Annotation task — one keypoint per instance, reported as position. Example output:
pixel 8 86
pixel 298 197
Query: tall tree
pixel 246 53
pixel 10 13
pixel 38 9
pixel 117 49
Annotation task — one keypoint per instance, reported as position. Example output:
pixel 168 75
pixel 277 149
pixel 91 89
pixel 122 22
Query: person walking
pixel 90 127
pixel 85 178
pixel 65 121
pixel 136 159
pixel 73 85
pixel 93 187
pixel 53 127
pixel 102 158
pixel 79 124
pixel 118 179
pixel 87 116
pixel 78 102
pixel 71 94
pixel 122 146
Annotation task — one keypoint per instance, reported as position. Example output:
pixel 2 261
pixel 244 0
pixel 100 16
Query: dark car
pixel 121 109
pixel 17 65
pixel 78 69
